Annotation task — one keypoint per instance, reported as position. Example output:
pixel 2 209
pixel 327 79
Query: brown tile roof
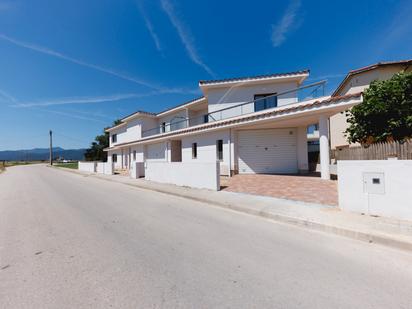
pixel 406 63
pixel 257 77
pixel 380 64
pixel 254 116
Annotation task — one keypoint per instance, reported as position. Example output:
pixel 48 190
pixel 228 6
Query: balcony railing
pixel 302 93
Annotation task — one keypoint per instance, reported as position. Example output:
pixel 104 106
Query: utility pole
pixel 51 147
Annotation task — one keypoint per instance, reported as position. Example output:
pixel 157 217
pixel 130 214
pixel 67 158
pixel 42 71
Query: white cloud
pixel 286 23
pixel 81 100
pixel 50 52
pixel 149 25
pixel 185 35
pixel 98 113
pixel 7 96
pixel 71 115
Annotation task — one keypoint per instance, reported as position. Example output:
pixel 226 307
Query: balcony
pixel 302 94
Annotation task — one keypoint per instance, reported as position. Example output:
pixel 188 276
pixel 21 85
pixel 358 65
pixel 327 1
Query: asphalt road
pixel 70 241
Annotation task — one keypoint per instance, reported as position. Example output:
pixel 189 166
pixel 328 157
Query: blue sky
pixel 75 66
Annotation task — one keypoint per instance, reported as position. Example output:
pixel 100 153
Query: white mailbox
pixel 373 183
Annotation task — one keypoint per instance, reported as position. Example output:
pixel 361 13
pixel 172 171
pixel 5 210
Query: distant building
pixel 357 81
pixel 252 124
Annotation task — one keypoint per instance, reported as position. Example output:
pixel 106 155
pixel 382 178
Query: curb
pixel 300 222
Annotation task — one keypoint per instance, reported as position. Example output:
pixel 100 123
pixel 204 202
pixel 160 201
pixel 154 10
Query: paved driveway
pixel 301 188
pixel 72 241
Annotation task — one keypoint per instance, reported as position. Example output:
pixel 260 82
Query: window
pixel 114 138
pixel 194 151
pixel 163 127
pixel 219 149
pixel 114 158
pixel 312 128
pixel 134 155
pixel 206 118
pixel 263 102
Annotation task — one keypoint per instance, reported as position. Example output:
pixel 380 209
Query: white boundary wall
pixel 104 168
pixel 87 166
pixel 201 175
pixel 382 188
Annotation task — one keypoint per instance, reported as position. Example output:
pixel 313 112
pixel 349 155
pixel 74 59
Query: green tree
pixel 385 113
pixel 95 152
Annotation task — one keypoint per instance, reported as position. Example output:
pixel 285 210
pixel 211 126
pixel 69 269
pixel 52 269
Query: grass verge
pixel 72 165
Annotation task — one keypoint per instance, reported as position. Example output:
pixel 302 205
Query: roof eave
pixel 300 77
pixel 347 101
pixel 368 68
pixel 138 114
pixel 115 127
pixel 182 106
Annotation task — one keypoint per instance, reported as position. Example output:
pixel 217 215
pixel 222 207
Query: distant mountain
pixel 38 154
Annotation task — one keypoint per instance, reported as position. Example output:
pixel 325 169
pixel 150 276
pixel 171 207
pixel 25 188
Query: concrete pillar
pixel 187 117
pixel 302 149
pixel 234 151
pixel 229 144
pixel 122 159
pixel 324 147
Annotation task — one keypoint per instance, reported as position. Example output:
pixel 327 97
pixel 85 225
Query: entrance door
pixel 176 151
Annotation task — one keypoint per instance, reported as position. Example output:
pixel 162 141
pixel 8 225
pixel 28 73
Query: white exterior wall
pixel 180 115
pixel 206 149
pixel 392 197
pixel 121 135
pixel 118 164
pixel 87 166
pixel 139 153
pixel 302 149
pixel 219 98
pixel 203 175
pixel 196 117
pixel 149 124
pixel 104 168
pixel 132 130
pixel 338 126
pixel 157 152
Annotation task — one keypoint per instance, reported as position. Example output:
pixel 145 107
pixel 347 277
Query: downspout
pixel 230 152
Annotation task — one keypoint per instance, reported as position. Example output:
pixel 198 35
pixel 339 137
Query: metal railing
pixel 302 93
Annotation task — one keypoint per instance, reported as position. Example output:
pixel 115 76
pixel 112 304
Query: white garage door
pixel 267 151
pixel 156 152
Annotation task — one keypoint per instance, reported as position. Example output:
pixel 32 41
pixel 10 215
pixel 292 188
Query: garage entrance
pixel 267 151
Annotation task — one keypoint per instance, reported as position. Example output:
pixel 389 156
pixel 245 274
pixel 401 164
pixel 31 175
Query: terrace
pixel 302 94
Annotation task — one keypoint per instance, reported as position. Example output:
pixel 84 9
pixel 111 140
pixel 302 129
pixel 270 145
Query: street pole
pixel 51 147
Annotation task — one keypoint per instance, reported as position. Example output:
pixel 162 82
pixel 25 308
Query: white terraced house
pixel 241 125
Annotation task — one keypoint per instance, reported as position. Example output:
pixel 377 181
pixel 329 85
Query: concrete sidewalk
pixel 380 230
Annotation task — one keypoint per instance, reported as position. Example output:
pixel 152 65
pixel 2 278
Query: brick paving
pixel 301 188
